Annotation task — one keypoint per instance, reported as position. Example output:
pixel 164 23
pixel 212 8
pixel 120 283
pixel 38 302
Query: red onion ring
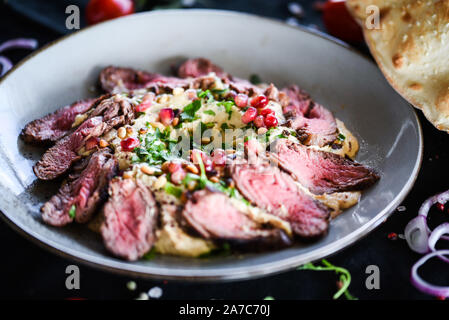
pixel 437 235
pixel 417 235
pixel 417 232
pixel 423 285
pixel 5 65
pixel 30 44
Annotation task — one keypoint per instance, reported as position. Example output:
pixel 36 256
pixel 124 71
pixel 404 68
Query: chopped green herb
pixel 206 94
pixel 255 79
pixel 150 254
pixel 224 126
pixel 224 250
pixel 228 107
pixel 341 137
pixel 188 114
pixel 219 92
pixel 345 277
pixel 210 112
pixel 173 190
pixel 72 211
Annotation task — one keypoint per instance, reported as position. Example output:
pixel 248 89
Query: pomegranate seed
pixel 129 144
pixel 392 236
pixel 440 206
pixel 249 115
pixel 174 166
pixel 241 100
pixel 259 121
pixel 259 102
pixel 219 157
pixel 271 121
pixel 177 176
pixel 208 164
pixel 147 101
pixel 92 143
pixel 265 112
pixel 166 116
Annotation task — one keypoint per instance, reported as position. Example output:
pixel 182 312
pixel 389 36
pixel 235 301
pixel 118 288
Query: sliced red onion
pixel 417 235
pixel 417 232
pixel 30 44
pixel 423 285
pixel 437 235
pixel 5 65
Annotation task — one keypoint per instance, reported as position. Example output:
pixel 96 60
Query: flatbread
pixel 412 49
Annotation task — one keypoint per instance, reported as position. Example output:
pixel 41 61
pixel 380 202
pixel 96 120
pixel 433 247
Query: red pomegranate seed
pixel 265 112
pixel 440 206
pixel 129 144
pixel 259 121
pixel 249 115
pixel 147 101
pixel 174 166
pixel 392 236
pixel 177 176
pixel 92 143
pixel 241 100
pixel 219 157
pixel 166 116
pixel 271 121
pixel 259 102
pixel 208 164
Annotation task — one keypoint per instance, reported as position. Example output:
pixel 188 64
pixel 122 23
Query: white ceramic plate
pixel 336 76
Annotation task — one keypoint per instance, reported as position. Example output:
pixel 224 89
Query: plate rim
pixel 251 272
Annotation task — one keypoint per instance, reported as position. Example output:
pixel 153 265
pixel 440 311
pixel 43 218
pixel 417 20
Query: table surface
pixel 31 272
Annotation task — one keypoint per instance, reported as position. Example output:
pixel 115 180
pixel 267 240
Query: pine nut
pixel 175 121
pixel 160 182
pixel 143 130
pixel 178 91
pixel 103 143
pixel 129 130
pixel 214 179
pixel 192 168
pixel 147 170
pixel 205 140
pixel 127 175
pixel 121 133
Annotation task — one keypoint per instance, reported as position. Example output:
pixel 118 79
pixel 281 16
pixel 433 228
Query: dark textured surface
pixel 31 272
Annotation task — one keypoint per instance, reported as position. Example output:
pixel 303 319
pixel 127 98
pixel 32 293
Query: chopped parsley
pixel 341 137
pixel 210 112
pixel 150 254
pixel 155 148
pixel 189 111
pixel 206 94
pixel 228 107
pixel 72 211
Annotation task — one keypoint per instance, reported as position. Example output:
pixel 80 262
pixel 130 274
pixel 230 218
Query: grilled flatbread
pixel 411 46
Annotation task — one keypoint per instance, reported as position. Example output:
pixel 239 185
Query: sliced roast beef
pixel 83 192
pixel 60 157
pixel 109 113
pixel 315 124
pixel 214 216
pixel 118 80
pixel 276 192
pixel 194 68
pixel 322 172
pixel 131 217
pixel 54 126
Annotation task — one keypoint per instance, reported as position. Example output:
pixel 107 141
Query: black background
pixel 27 271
